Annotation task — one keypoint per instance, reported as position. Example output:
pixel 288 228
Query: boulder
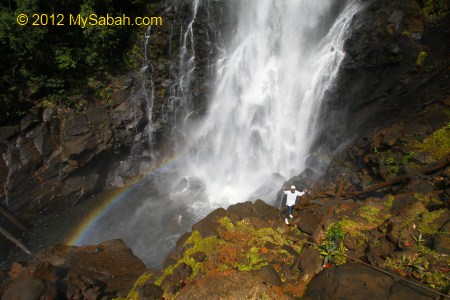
pixel 396 225
pixel 309 222
pixel 241 211
pixel 231 285
pixel 378 249
pixel 150 291
pixel 265 211
pixel 310 263
pixel 109 268
pixel 269 275
pixel 357 281
pixel 176 280
pixel 208 225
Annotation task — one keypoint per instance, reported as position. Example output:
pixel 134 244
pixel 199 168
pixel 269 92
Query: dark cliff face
pixel 56 155
pixel 394 51
pixel 173 47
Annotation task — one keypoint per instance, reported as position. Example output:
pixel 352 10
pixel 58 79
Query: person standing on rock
pixel 291 198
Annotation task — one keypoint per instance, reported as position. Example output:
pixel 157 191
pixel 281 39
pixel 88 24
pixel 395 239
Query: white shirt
pixel 291 197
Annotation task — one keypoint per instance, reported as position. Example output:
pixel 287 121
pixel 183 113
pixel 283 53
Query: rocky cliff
pixel 57 155
pixel 380 206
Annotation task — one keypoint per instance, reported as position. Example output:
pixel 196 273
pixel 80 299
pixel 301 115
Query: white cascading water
pixel 269 89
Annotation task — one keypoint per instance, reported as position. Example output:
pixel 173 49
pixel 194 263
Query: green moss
pixel 394 264
pixel 133 294
pixel 370 213
pixel 226 223
pixel 437 280
pixel 389 161
pixel 406 33
pixel 393 170
pixel 426 222
pixel 199 244
pixel 352 228
pixel 421 58
pixel 437 144
pixel 389 202
pixel 253 261
pixel 427 199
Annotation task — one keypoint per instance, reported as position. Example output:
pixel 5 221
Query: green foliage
pixel 393 170
pixel 332 247
pixel 407 158
pixel 353 228
pixel 439 8
pixel 390 161
pixel 40 61
pixel 421 58
pixel 64 59
pixel 437 280
pixel 335 232
pixel 418 266
pixel 419 240
pixel 413 264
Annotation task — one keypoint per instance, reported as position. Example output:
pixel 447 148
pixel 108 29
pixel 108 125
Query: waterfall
pixel 273 65
pixel 148 85
pixel 180 95
pixel 180 98
pixel 269 87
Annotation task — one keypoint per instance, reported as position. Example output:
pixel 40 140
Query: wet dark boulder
pixel 67 272
pixel 150 291
pixel 258 210
pixel 208 225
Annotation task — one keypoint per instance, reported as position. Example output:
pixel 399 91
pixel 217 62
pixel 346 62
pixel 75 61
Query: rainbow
pixel 112 198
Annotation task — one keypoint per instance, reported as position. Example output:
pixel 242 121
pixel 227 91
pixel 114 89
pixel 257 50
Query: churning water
pixel 281 58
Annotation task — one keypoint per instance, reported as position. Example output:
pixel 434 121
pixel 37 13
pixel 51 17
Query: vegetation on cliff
pixel 238 246
pixel 59 62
